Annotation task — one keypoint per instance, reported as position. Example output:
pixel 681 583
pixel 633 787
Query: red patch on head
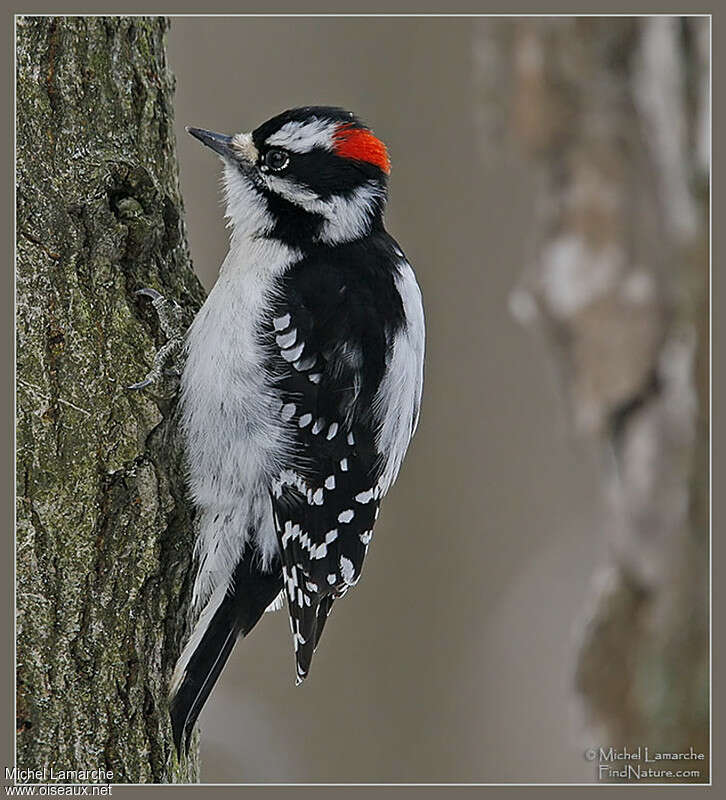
pixel 361 145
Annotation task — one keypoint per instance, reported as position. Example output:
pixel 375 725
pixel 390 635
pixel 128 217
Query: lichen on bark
pixel 104 531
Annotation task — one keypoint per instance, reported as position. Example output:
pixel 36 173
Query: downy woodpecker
pixel 301 386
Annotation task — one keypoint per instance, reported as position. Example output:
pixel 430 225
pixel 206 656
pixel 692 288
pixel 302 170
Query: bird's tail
pixel 232 611
pixel 307 628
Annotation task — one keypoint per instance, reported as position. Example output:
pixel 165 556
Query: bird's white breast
pixel 229 409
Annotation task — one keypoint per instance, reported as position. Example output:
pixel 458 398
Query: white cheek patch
pixel 346 218
pixel 292 191
pixel 302 137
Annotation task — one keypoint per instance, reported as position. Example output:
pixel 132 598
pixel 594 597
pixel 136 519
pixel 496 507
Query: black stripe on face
pixel 327 174
pixel 294 226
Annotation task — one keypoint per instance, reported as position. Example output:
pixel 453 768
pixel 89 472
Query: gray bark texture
pixel 614 116
pixel 104 532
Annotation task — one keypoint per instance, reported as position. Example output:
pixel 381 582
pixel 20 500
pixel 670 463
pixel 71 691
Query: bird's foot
pixel 169 314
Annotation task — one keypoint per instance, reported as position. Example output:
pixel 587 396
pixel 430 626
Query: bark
pixel 614 115
pixel 104 533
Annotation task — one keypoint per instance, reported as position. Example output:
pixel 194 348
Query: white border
pixel 595 782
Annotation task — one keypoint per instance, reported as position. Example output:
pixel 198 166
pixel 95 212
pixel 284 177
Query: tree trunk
pixel 104 532
pixel 614 114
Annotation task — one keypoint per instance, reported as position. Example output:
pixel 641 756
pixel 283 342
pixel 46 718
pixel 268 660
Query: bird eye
pixel 276 159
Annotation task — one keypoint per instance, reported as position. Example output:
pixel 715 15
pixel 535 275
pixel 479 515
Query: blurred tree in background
pixel 614 114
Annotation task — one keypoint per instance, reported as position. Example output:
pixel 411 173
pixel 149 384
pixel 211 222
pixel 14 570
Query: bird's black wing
pixel 329 357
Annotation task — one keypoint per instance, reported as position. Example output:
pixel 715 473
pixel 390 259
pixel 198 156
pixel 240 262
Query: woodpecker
pixel 301 386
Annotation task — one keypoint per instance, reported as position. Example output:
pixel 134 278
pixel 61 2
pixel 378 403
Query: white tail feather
pixel 277 603
pixel 197 635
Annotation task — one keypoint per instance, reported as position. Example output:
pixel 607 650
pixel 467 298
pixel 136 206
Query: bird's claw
pixel 169 314
pixel 148 292
pixel 142 384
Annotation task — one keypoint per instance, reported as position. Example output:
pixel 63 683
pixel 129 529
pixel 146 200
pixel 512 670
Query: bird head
pixel 309 175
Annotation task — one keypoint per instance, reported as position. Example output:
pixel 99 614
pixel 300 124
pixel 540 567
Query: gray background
pixel 451 659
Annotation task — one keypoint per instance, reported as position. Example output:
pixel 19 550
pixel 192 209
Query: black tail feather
pixel 311 626
pixel 324 609
pixel 250 592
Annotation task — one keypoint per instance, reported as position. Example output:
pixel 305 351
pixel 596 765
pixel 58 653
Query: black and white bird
pixel 301 386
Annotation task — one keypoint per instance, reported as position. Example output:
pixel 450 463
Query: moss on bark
pixel 104 532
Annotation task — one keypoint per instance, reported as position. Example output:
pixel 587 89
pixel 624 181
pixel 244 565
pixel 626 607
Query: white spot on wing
pixel 291 532
pixel 286 339
pixel 346 569
pixel 281 323
pixel 320 551
pixel 304 363
pixel 294 353
pixel 346 516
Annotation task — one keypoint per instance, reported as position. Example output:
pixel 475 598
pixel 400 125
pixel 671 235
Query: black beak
pixel 216 141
